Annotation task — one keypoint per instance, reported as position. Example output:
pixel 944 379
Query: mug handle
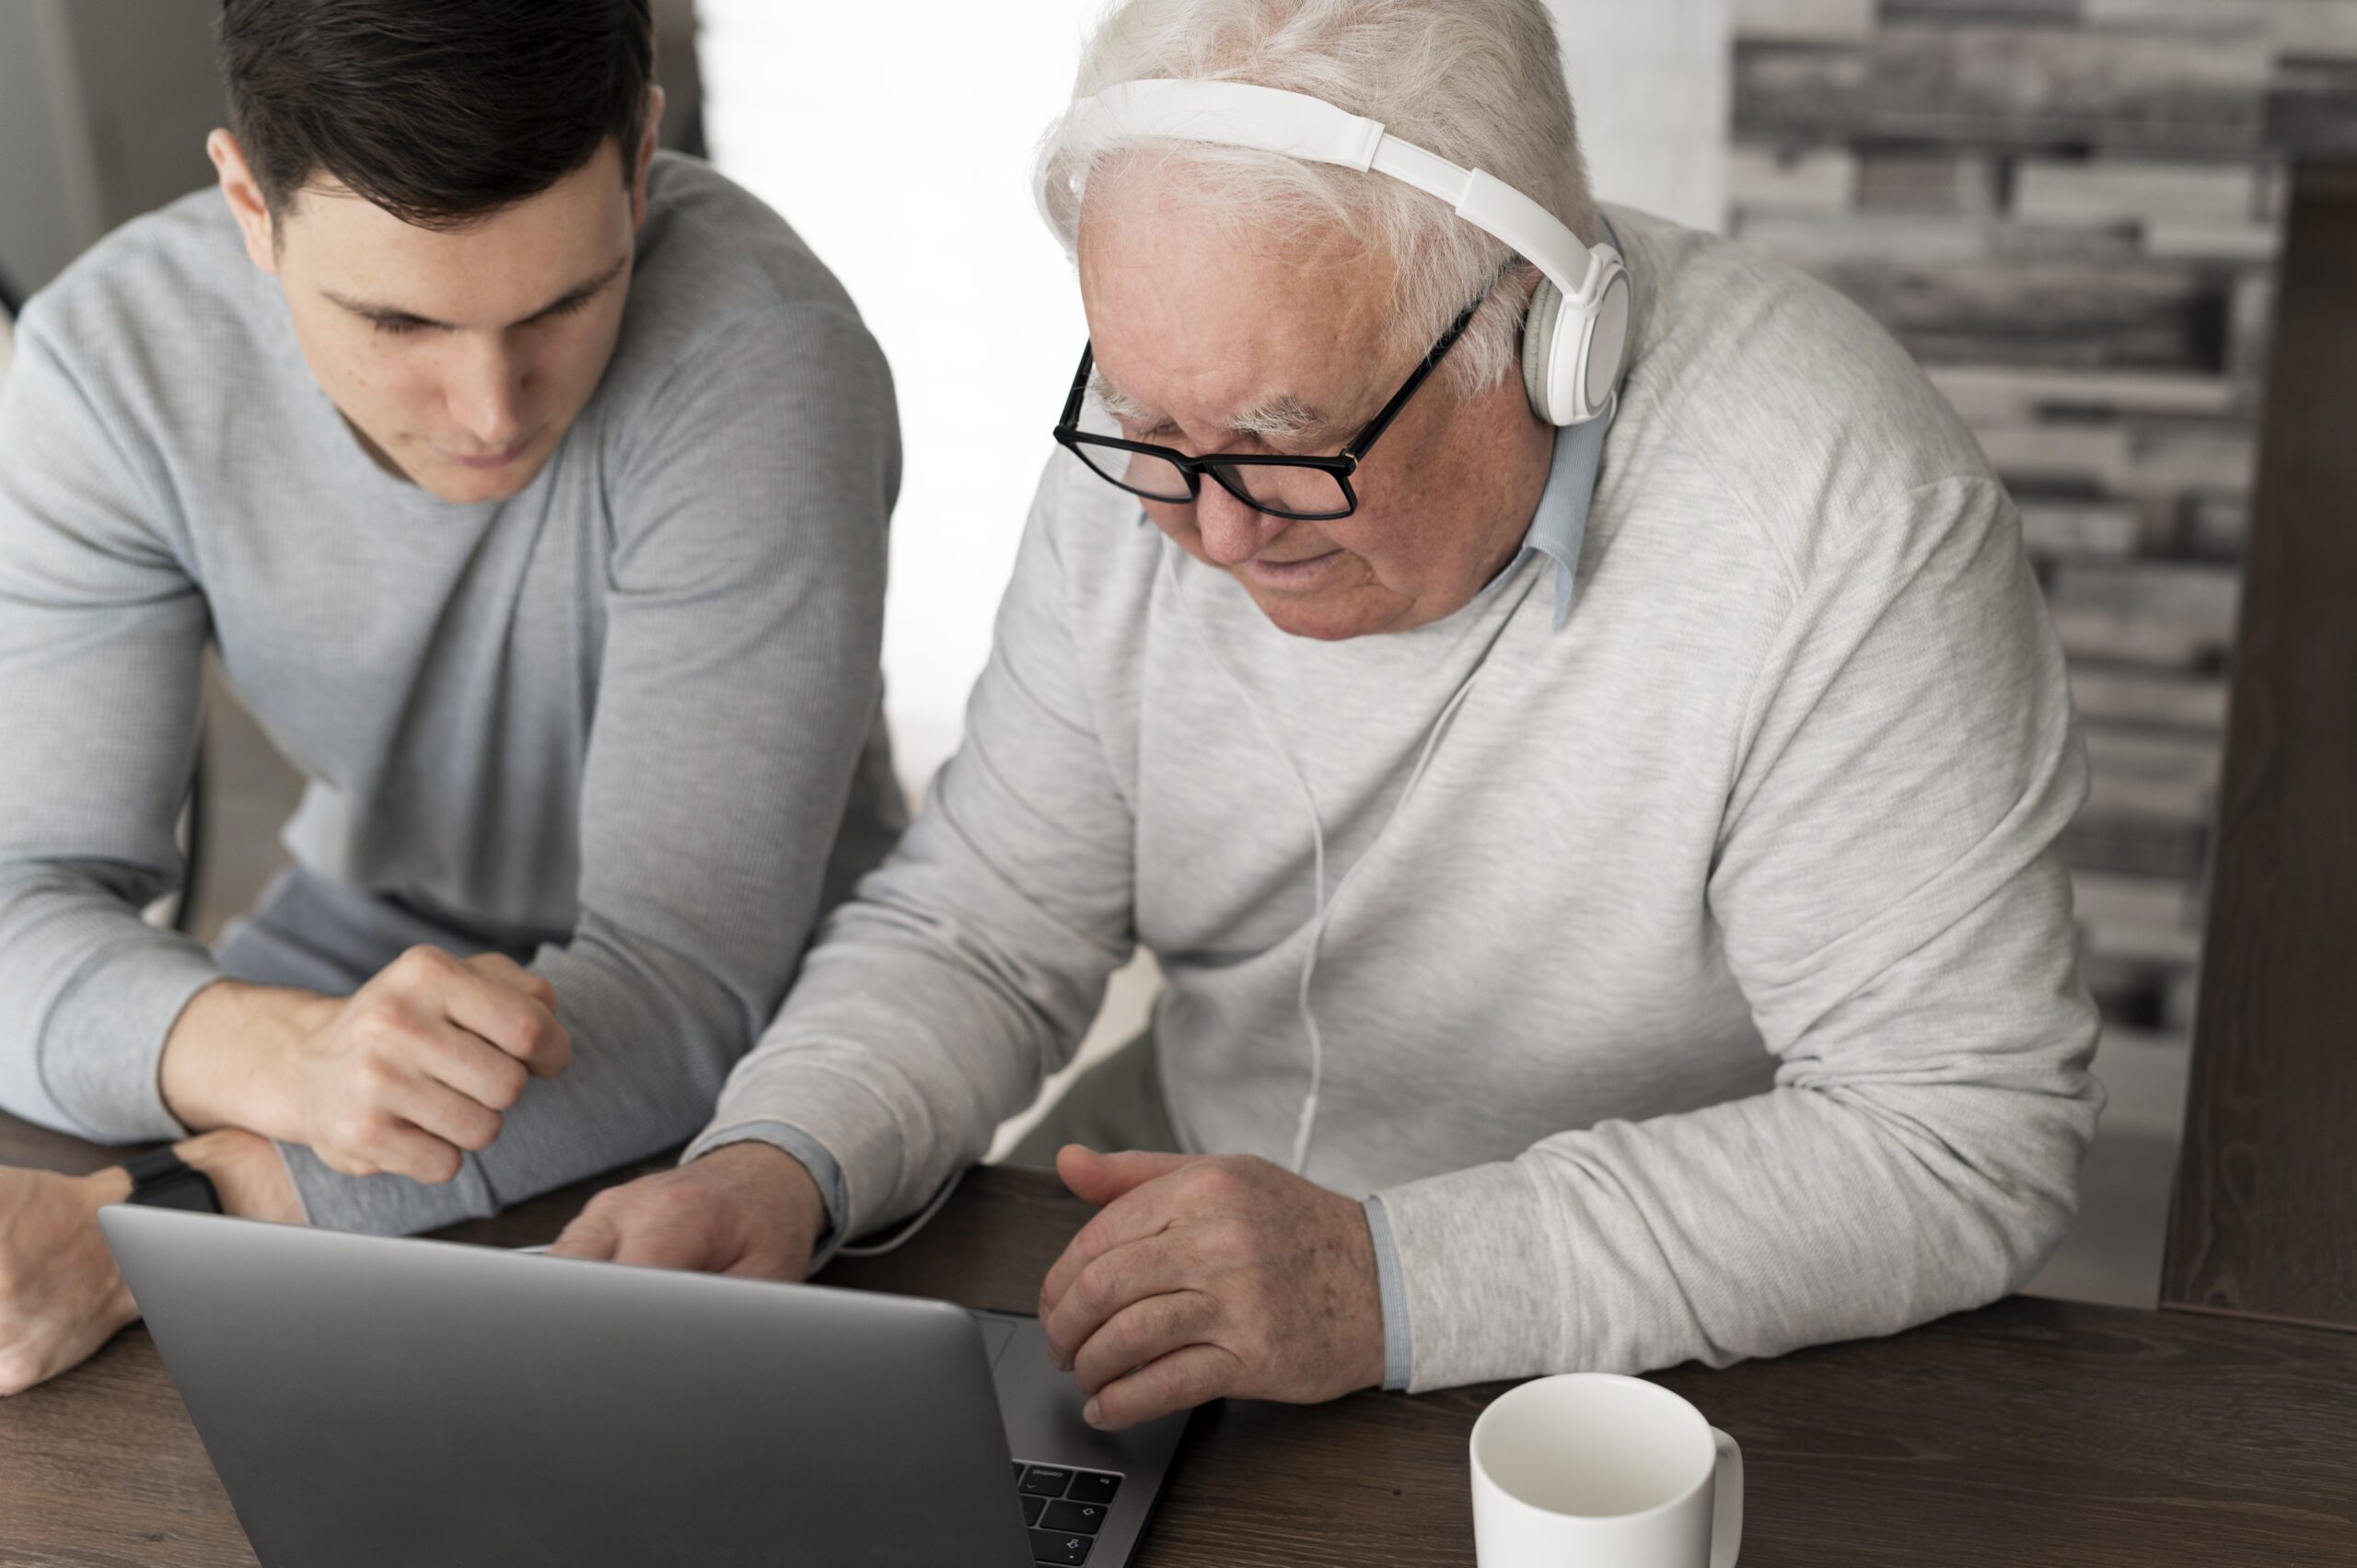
pixel 1726 1514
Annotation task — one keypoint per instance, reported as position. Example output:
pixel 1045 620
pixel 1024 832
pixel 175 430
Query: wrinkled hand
pixel 1204 1276
pixel 408 1075
pixel 745 1208
pixel 61 1296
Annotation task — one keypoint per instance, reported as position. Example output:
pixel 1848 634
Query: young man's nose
pixel 486 396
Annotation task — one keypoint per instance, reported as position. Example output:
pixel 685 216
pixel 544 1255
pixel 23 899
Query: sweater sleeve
pixel 971 962
pixel 1889 897
pixel 738 690
pixel 101 633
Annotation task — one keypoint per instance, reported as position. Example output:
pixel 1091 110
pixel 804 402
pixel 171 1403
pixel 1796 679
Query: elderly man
pixel 532 487
pixel 1606 881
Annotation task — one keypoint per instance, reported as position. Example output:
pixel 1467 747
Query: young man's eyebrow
pixel 394 314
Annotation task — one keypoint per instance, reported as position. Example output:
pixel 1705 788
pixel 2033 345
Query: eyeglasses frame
pixel 1341 465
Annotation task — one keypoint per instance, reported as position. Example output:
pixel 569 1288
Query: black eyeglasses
pixel 1305 489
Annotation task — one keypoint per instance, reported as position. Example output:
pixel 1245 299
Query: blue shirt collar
pixel 1559 527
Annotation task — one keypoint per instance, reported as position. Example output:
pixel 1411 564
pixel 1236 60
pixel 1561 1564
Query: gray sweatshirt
pixel 626 716
pixel 1715 991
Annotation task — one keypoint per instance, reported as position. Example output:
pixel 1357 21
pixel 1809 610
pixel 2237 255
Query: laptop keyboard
pixel 1065 1508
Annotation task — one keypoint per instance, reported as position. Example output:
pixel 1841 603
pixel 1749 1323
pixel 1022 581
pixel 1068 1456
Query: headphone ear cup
pixel 1608 344
pixel 1538 346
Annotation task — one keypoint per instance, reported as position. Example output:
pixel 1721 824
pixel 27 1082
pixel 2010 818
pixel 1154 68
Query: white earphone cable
pixel 1306 1124
pixel 1317 845
pixel 1307 1121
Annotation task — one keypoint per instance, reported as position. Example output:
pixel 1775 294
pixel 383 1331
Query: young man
pixel 533 489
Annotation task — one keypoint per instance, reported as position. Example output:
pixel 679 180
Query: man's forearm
pixel 216 1068
pixel 825 1173
pixel 792 1188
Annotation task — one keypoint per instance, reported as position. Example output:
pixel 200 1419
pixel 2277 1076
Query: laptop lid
pixel 372 1401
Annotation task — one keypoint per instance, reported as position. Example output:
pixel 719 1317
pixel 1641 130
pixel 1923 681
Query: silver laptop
pixel 375 1401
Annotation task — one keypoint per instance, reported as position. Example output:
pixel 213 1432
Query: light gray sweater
pixel 1714 993
pixel 622 716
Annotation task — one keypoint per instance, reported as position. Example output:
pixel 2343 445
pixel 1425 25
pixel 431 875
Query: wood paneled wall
pixel 2070 211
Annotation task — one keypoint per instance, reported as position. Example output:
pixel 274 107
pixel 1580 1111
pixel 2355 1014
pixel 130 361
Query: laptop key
pixel 1083 1518
pixel 1018 1471
pixel 1089 1486
pixel 1047 1545
pixel 1031 1507
pixel 1046 1481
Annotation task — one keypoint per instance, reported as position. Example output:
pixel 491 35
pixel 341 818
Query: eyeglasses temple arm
pixel 1356 446
pixel 1079 387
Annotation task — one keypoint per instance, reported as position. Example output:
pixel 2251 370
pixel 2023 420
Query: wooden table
pixel 2030 1433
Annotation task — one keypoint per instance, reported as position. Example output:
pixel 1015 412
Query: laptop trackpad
pixel 997 1334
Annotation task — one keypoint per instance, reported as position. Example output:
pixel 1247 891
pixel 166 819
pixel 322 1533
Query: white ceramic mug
pixel 1593 1470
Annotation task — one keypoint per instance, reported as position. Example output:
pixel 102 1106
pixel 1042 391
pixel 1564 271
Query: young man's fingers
pixel 1181 1380
pixel 472 1066
pixel 508 1018
pixel 406 1150
pixel 483 997
pixel 435 1108
pixel 500 967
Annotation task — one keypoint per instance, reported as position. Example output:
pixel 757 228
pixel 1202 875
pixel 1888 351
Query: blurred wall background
pixel 104 105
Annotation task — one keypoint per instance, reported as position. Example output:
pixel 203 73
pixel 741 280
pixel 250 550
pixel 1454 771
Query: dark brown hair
pixel 440 111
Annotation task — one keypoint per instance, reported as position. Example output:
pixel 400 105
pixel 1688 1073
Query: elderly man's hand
pixel 747 1208
pixel 1209 1275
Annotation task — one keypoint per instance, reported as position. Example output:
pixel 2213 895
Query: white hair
pixel 1478 82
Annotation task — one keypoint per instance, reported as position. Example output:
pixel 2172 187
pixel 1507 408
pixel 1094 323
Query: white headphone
pixel 1577 332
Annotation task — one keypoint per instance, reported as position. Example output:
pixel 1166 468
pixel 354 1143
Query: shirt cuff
pixel 102 1051
pixel 824 1168
pixel 1397 1358
pixel 385 1204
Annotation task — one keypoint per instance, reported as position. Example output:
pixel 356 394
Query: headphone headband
pixel 1576 335
pixel 1241 115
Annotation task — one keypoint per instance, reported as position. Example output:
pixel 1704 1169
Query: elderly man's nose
pixel 1231 532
